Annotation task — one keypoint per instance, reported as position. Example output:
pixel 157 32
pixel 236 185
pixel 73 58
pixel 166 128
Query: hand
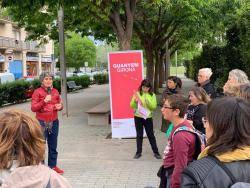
pixel 136 97
pixel 47 98
pixel 58 106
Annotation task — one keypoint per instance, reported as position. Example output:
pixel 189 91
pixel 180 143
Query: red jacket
pixel 178 153
pixel 45 111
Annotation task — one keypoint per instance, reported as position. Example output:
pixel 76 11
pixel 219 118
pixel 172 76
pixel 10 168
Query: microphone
pixel 49 90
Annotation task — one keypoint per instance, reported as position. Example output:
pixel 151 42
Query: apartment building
pixel 20 57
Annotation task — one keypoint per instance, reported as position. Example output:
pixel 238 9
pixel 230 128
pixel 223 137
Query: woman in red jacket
pixel 46 102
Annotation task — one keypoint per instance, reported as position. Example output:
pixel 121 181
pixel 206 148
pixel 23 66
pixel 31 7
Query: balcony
pixel 17 45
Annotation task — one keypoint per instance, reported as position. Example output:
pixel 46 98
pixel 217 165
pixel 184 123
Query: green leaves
pixel 79 50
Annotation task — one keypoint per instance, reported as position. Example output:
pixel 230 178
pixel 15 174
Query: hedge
pixel 16 92
pixel 101 78
pixel 221 59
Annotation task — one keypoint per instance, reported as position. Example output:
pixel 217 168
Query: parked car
pixel 29 78
pixel 6 77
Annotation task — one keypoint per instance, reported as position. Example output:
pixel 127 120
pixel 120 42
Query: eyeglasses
pixel 204 120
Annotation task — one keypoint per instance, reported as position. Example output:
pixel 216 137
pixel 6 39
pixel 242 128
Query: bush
pixel 101 78
pixel 19 91
pixel 57 84
pixel 222 59
pixel 84 81
pixel 13 92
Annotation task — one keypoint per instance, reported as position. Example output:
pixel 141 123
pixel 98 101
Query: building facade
pixel 20 57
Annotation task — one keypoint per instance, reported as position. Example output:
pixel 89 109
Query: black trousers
pixel 148 125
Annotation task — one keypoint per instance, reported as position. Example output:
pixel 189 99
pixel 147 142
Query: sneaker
pixel 137 156
pixel 157 156
pixel 58 170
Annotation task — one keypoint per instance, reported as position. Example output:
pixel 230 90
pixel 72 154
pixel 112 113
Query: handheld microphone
pixel 49 90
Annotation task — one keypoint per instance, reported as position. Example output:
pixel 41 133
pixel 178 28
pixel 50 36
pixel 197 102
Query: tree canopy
pixel 79 50
pixel 161 26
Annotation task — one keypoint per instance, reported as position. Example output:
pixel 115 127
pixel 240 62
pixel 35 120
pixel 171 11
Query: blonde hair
pixel 200 94
pixel 232 90
pixel 239 75
pixel 21 139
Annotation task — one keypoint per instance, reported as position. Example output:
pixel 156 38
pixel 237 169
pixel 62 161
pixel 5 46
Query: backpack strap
pixel 224 167
pixel 200 138
pixel 183 128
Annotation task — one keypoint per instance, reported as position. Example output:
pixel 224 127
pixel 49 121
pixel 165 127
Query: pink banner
pixel 125 75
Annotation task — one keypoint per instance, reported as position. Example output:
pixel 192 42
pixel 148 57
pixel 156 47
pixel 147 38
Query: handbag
pixel 160 171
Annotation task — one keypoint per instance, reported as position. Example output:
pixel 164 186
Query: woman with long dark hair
pixel 226 159
pixel 144 102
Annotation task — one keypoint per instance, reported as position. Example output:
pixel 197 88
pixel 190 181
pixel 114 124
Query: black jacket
pixel 209 88
pixel 205 173
pixel 195 113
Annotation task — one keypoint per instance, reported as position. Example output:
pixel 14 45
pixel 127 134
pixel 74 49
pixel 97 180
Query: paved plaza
pixel 91 160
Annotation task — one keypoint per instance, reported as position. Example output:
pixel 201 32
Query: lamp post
pixel 62 60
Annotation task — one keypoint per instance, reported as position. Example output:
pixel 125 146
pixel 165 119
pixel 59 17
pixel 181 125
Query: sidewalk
pixel 91 160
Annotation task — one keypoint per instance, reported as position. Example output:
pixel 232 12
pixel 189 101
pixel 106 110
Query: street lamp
pixel 62 60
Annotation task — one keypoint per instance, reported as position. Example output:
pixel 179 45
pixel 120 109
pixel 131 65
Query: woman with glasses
pixel 225 161
pixel 144 103
pixel 197 109
pixel 180 149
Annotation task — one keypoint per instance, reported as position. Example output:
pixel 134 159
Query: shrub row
pixel 101 78
pixel 18 91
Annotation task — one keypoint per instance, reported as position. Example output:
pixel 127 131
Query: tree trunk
pixel 150 63
pixel 124 43
pixel 156 75
pixel 123 26
pixel 161 69
pixel 167 62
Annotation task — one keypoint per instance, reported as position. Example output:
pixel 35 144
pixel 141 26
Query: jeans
pixel 148 125
pixel 51 139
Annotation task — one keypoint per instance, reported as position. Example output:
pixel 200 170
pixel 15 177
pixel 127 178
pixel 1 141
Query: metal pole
pixel 176 63
pixel 62 61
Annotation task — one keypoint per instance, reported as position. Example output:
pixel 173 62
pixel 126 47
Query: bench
pixel 99 114
pixel 72 85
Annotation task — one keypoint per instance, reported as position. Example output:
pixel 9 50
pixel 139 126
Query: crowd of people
pixel 207 126
pixel 208 137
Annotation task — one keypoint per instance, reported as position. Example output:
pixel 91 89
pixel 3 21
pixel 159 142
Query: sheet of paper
pixel 144 112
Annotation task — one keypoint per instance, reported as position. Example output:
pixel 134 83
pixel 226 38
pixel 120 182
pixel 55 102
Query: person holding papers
pixel 144 102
